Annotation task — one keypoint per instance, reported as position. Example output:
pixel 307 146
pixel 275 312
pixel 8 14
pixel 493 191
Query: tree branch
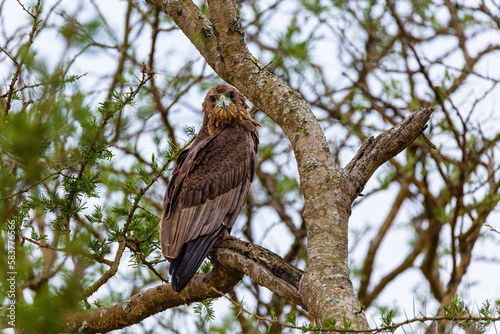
pixel 197 28
pixel 263 266
pixel 232 259
pixel 152 301
pixel 375 151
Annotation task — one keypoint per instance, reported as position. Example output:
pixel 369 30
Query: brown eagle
pixel 209 184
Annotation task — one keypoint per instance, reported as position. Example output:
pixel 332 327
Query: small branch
pixel 147 74
pixel 35 283
pixel 240 308
pixel 116 262
pixel 26 10
pixel 20 64
pixel 39 84
pixel 492 229
pixel 135 250
pixel 123 241
pixel 427 140
pixel 65 250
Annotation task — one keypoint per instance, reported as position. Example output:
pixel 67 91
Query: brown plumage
pixel 209 184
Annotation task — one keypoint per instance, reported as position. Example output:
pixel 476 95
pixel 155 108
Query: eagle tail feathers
pixel 190 258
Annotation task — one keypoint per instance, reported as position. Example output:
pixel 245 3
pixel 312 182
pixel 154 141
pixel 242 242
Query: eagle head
pixel 224 106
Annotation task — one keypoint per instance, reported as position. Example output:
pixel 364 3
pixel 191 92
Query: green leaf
pixel 273 314
pixel 329 322
pixel 205 310
pixel 291 318
pixel 205 267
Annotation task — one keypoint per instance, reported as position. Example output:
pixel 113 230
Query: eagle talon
pixel 225 236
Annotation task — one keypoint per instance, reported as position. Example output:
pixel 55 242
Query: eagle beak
pixel 221 101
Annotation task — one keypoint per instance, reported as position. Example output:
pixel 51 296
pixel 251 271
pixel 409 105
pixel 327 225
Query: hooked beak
pixel 221 102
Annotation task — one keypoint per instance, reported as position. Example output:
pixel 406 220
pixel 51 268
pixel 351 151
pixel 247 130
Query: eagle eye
pixel 231 95
pixel 212 98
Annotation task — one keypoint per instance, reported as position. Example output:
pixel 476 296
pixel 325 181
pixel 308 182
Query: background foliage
pixel 98 98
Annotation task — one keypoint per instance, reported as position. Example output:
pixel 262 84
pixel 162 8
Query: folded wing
pixel 205 196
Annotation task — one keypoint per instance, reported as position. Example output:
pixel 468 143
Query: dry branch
pixel 375 151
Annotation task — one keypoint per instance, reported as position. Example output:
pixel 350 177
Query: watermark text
pixel 11 273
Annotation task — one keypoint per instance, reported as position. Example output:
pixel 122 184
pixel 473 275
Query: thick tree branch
pixel 232 259
pixel 265 267
pixel 152 301
pixel 375 151
pixel 327 208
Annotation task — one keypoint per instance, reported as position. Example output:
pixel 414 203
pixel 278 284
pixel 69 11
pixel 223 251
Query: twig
pixel 28 45
pixel 57 249
pixel 492 229
pixel 39 84
pixel 240 307
pixel 135 250
pixel 122 243
pixel 38 183
pixel 427 140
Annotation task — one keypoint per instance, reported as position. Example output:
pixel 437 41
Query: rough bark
pixel 375 151
pixel 265 267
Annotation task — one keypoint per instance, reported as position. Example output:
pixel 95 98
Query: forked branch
pixel 375 151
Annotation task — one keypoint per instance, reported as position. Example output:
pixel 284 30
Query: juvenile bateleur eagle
pixel 209 184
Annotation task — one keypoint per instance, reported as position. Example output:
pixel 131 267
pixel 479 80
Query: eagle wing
pixel 205 196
